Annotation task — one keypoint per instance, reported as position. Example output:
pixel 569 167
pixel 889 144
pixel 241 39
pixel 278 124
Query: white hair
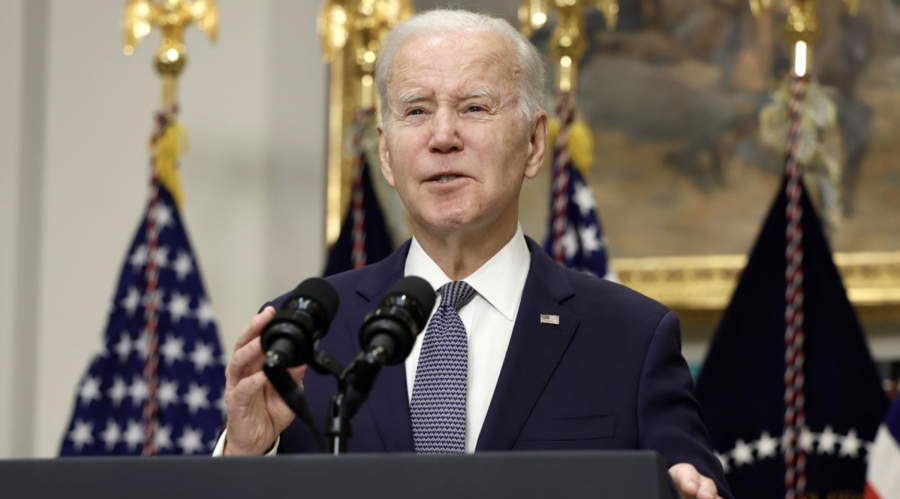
pixel 531 68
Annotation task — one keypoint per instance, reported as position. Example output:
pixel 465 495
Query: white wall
pixel 11 34
pixel 73 181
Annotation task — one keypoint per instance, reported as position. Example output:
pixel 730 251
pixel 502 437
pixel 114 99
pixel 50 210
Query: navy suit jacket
pixel 609 376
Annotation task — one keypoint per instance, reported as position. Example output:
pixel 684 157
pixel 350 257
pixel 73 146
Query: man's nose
pixel 445 133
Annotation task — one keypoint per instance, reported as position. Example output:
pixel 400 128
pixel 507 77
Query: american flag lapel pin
pixel 550 319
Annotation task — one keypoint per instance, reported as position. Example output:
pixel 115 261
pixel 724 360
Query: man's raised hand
pixel 256 412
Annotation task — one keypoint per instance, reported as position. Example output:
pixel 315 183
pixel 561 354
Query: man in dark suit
pixel 521 354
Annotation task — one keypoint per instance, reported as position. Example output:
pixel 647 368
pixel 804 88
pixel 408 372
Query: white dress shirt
pixel 489 319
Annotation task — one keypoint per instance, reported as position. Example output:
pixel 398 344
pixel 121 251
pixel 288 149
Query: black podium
pixel 635 475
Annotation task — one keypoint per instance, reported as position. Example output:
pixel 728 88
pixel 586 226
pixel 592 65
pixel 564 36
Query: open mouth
pixel 444 178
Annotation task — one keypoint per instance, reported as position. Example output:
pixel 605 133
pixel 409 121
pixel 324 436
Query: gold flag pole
pixel 351 32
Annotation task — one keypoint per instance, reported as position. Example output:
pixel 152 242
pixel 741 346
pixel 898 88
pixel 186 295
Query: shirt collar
pixel 499 281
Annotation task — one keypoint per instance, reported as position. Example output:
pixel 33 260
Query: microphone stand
pixel 275 367
pixel 354 385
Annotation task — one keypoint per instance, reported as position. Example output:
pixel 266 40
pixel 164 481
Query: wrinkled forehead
pixel 464 56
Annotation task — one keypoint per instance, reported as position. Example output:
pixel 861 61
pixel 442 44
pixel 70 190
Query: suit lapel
pixel 534 351
pixel 388 400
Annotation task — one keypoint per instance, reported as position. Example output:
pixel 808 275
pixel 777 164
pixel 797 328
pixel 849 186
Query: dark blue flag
pixel 364 237
pixel 146 396
pixel 742 384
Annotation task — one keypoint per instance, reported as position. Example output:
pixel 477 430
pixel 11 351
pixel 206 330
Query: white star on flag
pixel 134 435
pixel 163 215
pixel 163 438
pixel 137 391
pixel 584 198
pixel 205 313
pixel 767 446
pixel 191 441
pixel 742 453
pixel 183 265
pixel 168 393
pixel 117 391
pixel 590 239
pixel 850 444
pixel 140 346
pixel 197 398
pixel 179 306
pixel 90 390
pixel 111 435
pixel 161 257
pixel 827 441
pixel 570 242
pixel 123 347
pixel 81 434
pixel 172 349
pixel 101 350
pixel 807 440
pixel 202 356
pixel 139 258
pixel 130 302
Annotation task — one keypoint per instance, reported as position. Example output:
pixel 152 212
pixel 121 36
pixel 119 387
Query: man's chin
pixel 448 223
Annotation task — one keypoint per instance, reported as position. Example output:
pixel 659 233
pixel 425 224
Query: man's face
pixel 454 143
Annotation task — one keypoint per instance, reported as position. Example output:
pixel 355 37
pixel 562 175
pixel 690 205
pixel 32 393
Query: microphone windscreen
pixel 419 290
pixel 320 291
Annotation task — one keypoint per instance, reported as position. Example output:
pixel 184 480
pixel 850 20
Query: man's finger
pixel 686 478
pixel 708 489
pixel 298 374
pixel 254 327
pixel 246 360
pixel 250 385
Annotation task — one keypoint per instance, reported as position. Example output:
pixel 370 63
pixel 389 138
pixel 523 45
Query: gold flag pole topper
pixel 166 145
pixel 171 16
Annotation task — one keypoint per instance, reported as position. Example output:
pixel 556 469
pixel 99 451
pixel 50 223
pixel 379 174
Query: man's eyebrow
pixel 407 99
pixel 481 93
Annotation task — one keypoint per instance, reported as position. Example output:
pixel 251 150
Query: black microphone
pixel 290 337
pixel 389 332
pixel 387 336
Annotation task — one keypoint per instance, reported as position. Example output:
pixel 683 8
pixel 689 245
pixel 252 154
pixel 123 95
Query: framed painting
pixel 682 174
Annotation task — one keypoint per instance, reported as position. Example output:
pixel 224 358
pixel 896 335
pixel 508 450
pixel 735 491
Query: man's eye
pixel 474 109
pixel 415 112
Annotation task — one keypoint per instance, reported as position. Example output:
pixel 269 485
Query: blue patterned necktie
pixel 438 406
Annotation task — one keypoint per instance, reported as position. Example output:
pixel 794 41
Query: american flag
pixel 156 382
pixel 575 238
pixel 883 475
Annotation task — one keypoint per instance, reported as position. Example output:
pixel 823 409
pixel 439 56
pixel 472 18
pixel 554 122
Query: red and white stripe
pixel 561 177
pixel 357 211
pixel 794 396
pixel 150 412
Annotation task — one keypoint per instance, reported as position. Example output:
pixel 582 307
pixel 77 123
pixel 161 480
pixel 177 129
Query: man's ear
pixel 537 145
pixel 384 155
